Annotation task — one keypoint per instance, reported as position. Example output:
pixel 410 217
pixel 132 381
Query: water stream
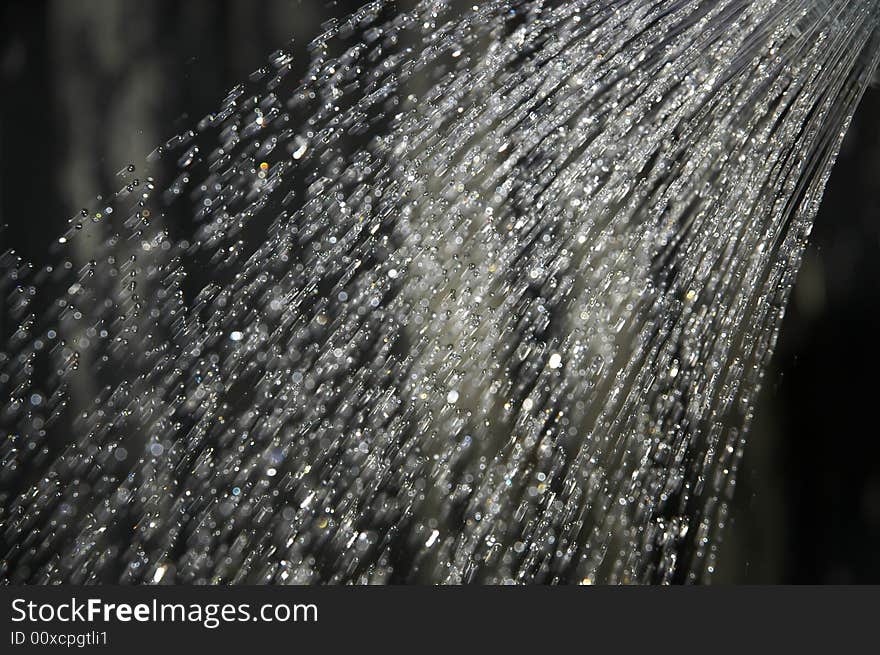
pixel 491 292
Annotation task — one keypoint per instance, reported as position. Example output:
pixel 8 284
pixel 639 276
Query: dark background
pixel 91 85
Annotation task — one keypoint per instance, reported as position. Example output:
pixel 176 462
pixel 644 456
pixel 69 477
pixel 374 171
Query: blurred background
pixel 93 85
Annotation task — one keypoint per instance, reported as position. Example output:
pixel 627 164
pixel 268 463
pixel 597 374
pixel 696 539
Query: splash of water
pixel 491 293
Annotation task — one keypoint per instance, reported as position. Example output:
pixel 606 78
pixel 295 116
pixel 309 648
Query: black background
pixel 416 619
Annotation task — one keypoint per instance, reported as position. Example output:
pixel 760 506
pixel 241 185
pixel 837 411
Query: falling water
pixel 489 296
